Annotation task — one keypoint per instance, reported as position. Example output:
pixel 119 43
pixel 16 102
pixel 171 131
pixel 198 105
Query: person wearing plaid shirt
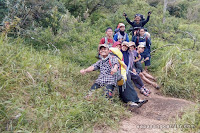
pixel 108 66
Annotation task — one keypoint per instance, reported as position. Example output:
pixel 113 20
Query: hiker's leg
pixel 92 89
pixel 148 75
pixel 147 63
pixel 95 86
pixel 137 80
pixel 147 80
pixel 109 91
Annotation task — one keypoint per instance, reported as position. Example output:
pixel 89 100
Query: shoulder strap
pixel 106 40
pixel 137 41
pixel 125 36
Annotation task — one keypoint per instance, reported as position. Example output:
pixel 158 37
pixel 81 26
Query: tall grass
pixel 43 92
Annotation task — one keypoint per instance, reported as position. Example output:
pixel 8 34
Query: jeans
pixel 108 90
pixel 137 80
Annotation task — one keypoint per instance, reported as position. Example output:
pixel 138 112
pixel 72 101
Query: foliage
pixel 38 93
pixel 192 118
pixel 41 88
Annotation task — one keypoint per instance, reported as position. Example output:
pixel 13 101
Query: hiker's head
pixel 142 31
pixel 122 27
pixel 117 45
pixel 137 18
pixel 109 32
pixel 104 50
pixel 131 46
pixel 124 46
pixel 141 48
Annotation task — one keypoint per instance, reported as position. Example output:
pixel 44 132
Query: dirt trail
pixel 159 111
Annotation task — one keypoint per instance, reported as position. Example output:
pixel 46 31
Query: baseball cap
pixel 121 24
pixel 125 43
pixel 131 44
pixel 103 45
pixel 141 46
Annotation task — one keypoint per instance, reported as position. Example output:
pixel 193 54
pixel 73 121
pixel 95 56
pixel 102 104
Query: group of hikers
pixel 120 62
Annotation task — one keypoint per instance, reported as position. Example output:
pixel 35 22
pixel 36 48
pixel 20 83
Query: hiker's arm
pixel 128 20
pixel 127 39
pixel 134 38
pixel 115 37
pixel 114 69
pixel 89 69
pixel 139 57
pixel 145 21
pixel 122 63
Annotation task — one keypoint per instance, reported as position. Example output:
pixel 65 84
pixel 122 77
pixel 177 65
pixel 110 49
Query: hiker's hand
pixel 82 71
pixel 134 71
pixel 142 61
pixel 125 67
pixel 135 32
pixel 147 59
pixel 113 71
pixel 125 15
pixel 149 13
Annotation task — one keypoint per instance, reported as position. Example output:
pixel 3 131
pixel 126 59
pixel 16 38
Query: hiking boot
pixel 141 102
pixel 142 91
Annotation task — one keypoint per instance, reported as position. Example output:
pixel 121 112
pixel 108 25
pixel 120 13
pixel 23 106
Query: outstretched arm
pixel 89 69
pixel 127 19
pixel 147 20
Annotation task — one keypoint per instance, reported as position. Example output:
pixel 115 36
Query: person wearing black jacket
pixel 137 23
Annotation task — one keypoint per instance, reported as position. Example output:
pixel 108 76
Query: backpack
pixel 137 41
pixel 124 37
pixel 109 44
pixel 121 78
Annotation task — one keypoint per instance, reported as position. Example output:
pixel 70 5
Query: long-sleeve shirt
pixel 134 24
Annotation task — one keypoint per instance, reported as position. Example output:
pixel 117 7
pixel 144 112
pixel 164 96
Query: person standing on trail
pixel 109 38
pixel 121 35
pixel 107 76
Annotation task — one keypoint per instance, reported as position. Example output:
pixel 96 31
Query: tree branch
pixel 190 34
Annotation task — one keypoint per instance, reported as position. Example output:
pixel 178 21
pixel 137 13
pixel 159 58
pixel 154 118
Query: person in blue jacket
pixel 144 40
pixel 121 35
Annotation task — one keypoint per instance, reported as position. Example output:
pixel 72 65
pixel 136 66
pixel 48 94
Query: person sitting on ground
pixel 121 35
pixel 143 74
pixel 109 38
pixel 107 76
pixel 134 58
pixel 134 76
pixel 128 94
pixel 146 55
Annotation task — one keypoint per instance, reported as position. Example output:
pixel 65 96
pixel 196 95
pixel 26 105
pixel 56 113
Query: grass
pixel 43 92
pixel 41 89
